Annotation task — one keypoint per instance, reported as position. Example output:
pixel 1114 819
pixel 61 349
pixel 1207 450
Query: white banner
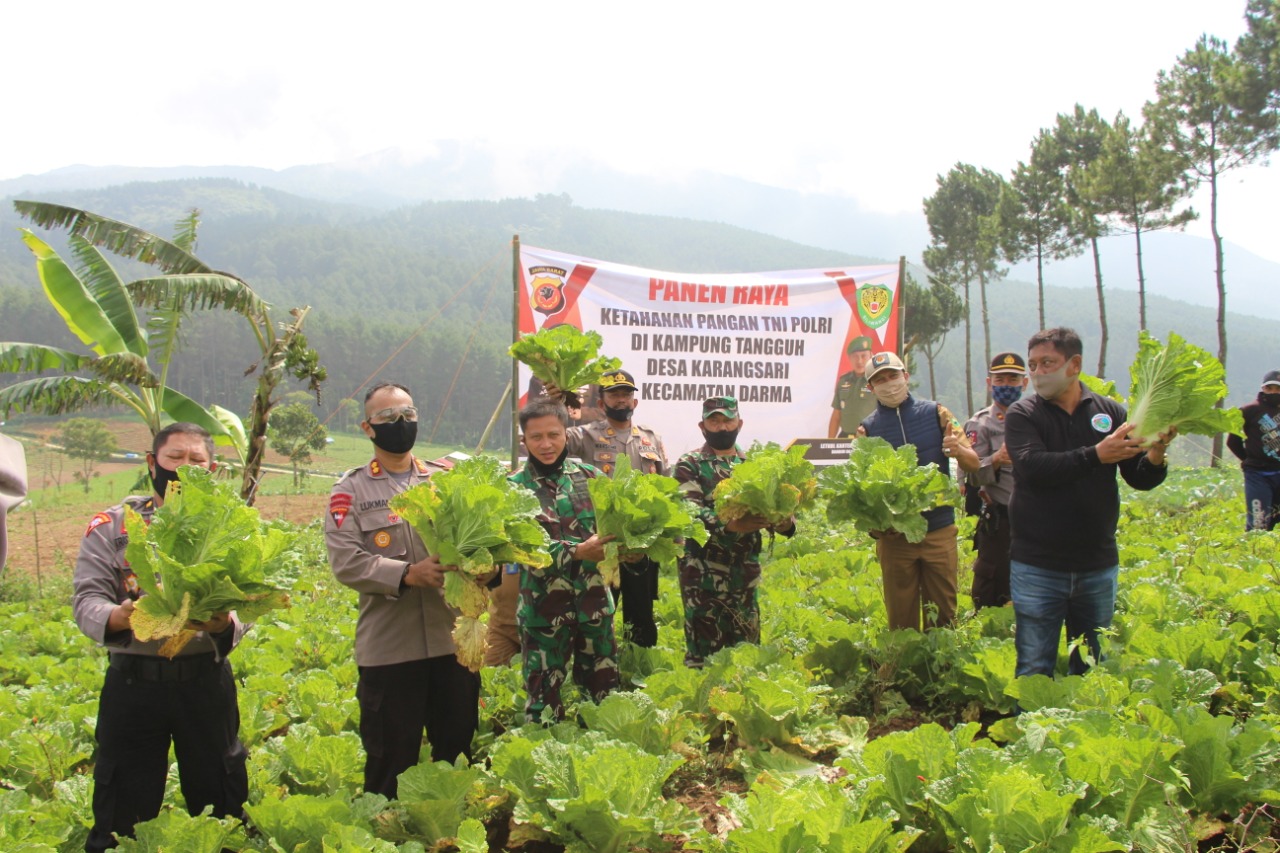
pixel 774 340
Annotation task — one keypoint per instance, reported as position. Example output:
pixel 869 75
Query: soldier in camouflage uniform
pixel 602 444
pixel 718 581
pixel 566 608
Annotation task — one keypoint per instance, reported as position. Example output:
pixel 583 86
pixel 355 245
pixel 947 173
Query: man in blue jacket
pixel 918 576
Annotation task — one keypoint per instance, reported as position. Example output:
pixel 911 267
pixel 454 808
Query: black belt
pixel 147 668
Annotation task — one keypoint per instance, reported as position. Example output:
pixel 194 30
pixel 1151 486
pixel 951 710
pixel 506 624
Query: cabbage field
pixel 833 735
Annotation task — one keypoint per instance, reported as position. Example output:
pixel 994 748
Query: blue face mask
pixel 1006 395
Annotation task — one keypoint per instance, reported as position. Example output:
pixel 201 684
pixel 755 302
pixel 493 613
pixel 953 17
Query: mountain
pixel 1179 266
pixel 425 286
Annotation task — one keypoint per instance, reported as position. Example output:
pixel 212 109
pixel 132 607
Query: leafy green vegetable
pixel 474 518
pixel 205 552
pixel 564 356
pixel 881 488
pixel 770 482
pixel 1177 385
pixel 646 514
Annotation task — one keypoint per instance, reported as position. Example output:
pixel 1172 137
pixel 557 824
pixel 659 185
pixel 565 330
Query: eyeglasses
pixel 386 416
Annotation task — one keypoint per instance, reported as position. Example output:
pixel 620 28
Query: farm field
pixel 833 735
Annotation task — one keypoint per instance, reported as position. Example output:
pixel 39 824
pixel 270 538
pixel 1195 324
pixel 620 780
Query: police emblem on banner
pixel 547 289
pixel 875 302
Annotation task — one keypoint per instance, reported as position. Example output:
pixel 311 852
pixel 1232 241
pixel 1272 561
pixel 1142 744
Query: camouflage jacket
pixel 568 590
pixel 698 472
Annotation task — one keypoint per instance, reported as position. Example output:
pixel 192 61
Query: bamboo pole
pixel 514 388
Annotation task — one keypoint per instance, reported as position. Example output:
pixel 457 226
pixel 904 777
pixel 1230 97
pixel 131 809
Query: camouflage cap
pixel 727 406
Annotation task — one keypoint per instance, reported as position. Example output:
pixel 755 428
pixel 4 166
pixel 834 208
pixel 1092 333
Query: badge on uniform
pixel 1101 422
pixel 339 506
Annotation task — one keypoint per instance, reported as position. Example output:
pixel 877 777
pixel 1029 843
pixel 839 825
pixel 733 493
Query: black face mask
pixel 398 436
pixel 623 414
pixel 722 440
pixel 552 470
pixel 161 478
pixel 1266 399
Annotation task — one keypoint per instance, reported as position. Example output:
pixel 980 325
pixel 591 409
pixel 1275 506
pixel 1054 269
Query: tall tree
pixel 1079 137
pixel 1138 183
pixel 934 311
pixel 965 245
pixel 1216 111
pixel 1036 221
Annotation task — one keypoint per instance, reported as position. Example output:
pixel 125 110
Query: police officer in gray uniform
pixel 1006 379
pixel 602 444
pixel 410 679
pixel 149 701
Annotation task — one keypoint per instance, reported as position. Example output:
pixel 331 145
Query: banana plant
pixel 128 361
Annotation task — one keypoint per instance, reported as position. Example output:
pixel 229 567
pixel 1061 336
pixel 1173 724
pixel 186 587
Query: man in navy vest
pixel 918 576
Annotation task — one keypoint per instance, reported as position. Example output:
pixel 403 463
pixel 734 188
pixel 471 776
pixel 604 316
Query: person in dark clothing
pixel 1067 443
pixel 150 701
pixel 1259 455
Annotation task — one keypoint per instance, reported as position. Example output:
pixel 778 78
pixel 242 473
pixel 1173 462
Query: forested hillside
pixel 435 275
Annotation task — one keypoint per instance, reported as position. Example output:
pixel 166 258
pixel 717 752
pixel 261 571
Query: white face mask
pixel 1050 385
pixel 891 392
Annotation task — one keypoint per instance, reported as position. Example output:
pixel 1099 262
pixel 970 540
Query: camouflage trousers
pixel 720 608
pixel 545 653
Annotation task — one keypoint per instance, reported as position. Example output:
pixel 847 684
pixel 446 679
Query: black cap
pixel 1008 362
pixel 613 379
pixel 1272 378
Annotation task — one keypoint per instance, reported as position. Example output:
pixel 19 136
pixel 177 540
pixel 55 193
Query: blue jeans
pixel 1261 498
pixel 1043 600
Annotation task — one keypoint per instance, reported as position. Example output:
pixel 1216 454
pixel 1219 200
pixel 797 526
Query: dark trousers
pixel 399 701
pixel 991 568
pixel 638 590
pixel 194 706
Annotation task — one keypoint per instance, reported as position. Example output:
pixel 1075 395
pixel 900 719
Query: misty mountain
pixel 1179 266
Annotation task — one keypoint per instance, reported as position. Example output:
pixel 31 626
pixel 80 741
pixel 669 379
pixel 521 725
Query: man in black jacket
pixel 1067 443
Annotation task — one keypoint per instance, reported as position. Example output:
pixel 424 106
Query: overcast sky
pixel 867 100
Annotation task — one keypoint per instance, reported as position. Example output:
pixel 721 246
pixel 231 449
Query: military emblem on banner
pixel 875 304
pixel 547 287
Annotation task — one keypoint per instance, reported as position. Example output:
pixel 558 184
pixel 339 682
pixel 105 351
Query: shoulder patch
pixel 97 521
pixel 339 506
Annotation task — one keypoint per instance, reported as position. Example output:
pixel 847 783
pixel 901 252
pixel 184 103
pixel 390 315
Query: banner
pixel 775 340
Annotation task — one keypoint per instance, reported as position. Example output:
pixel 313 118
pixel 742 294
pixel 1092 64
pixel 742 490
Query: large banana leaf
pixel 126 368
pixel 117 237
pixel 17 357
pixel 235 430
pixel 60 395
pixel 108 291
pixel 182 408
pixel 72 300
pixel 189 292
